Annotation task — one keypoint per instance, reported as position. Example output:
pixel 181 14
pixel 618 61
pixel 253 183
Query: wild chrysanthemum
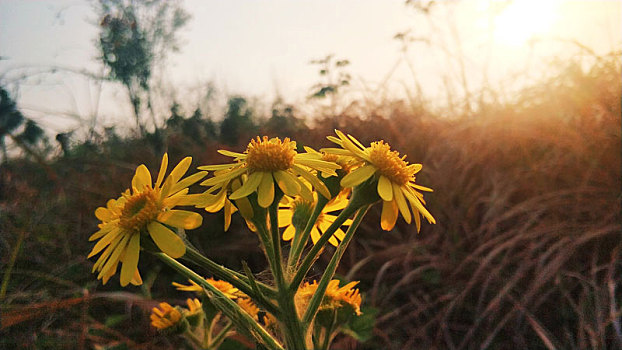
pixel 225 287
pixel 165 317
pixel 297 211
pixel 146 208
pixel 249 306
pixel 335 297
pixel 396 178
pixel 265 162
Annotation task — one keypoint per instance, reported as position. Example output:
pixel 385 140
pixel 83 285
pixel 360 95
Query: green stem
pixel 276 245
pixel 315 251
pixel 363 195
pixel 300 240
pixel 193 338
pixel 314 304
pixel 293 330
pixel 238 280
pixel 328 335
pixel 220 337
pixel 243 321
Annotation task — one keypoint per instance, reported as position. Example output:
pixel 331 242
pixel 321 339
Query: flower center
pixel 389 163
pixel 139 210
pixel 270 154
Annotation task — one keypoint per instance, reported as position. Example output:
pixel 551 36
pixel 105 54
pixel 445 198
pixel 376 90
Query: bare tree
pixel 135 36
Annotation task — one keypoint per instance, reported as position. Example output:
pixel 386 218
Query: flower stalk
pixel 240 318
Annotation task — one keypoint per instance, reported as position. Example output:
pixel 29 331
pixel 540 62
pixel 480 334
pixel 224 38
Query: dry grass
pixel 526 252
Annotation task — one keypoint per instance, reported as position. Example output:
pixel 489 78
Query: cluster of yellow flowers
pixel 310 195
pixel 245 302
pixel 335 298
pixel 166 316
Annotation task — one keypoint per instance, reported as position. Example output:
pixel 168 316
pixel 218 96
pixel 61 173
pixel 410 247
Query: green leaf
pixel 361 328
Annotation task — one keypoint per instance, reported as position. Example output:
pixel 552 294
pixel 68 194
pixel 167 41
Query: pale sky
pixel 259 48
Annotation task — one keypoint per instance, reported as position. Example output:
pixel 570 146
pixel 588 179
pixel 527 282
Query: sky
pixel 263 49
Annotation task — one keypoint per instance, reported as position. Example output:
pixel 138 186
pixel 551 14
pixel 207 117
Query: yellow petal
pixel 215 167
pixel 285 217
pixel 289 233
pixel 103 214
pixel 416 204
pixel 174 176
pixel 181 218
pixel 353 139
pixel 422 188
pixel 317 164
pixel 110 266
pixel 141 178
pixel 265 191
pixel 212 203
pixel 166 240
pixel 417 220
pixel 358 176
pixel 415 168
pixel 173 201
pixel 136 279
pixel 287 182
pixel 180 169
pixel 315 182
pixel 130 260
pixel 229 210
pixel 305 192
pixel 388 216
pixel 339 234
pixel 163 167
pixel 385 190
pixel 248 187
pixel 102 243
pixel 244 205
pixel 226 176
pixel 185 199
pixel 315 235
pixel 350 146
pixel 187 182
pixel 337 151
pixel 106 254
pixel 224 152
pixel 401 202
pixel 103 231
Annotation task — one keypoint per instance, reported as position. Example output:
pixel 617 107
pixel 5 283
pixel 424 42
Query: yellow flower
pixel 146 208
pixel 265 162
pixel 247 305
pixel 300 209
pixel 396 178
pixel 194 307
pixel 225 287
pixel 164 317
pixel 335 297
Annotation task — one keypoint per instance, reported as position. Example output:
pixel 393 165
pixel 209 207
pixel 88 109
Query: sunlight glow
pixel 520 21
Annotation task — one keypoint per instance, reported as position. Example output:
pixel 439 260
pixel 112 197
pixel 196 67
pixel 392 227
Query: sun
pixel 519 21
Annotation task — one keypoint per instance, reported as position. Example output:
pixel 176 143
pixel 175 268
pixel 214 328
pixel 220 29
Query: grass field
pixel 525 253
